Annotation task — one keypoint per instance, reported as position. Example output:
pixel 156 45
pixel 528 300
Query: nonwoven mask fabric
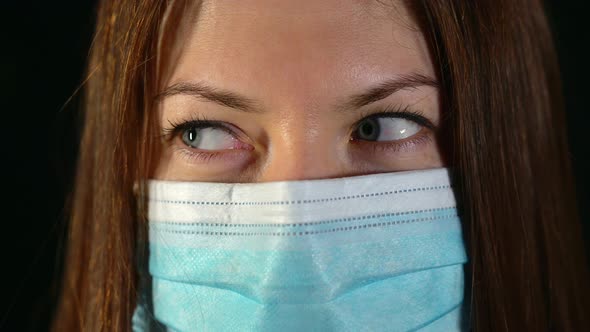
pixel 381 252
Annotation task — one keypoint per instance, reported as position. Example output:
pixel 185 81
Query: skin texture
pixel 296 61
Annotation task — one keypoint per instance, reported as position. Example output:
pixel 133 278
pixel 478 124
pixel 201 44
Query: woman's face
pixel 267 90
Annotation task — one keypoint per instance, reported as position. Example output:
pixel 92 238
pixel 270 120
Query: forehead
pixel 304 50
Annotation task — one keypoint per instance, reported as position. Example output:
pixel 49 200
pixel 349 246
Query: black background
pixel 44 46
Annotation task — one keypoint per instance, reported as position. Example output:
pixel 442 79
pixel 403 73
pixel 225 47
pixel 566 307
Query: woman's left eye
pixel 379 129
pixel 208 138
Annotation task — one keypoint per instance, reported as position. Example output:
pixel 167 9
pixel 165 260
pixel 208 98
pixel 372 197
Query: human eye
pixel 393 128
pixel 207 138
pixel 204 139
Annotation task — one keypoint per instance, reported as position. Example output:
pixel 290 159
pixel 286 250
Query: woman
pixel 213 93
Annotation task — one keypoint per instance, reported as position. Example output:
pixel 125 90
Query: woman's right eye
pixel 208 138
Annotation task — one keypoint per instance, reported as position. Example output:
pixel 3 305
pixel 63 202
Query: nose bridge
pixel 302 149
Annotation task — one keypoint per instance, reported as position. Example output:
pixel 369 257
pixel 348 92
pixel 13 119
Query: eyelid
pixel 177 127
pixel 393 111
pixel 421 138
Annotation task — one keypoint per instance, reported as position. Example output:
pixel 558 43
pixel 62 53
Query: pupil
pixel 192 134
pixel 369 130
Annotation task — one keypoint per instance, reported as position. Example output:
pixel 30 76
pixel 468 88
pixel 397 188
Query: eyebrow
pixel 203 91
pixel 237 102
pixel 387 88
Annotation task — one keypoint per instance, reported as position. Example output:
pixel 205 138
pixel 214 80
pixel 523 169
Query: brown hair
pixel 503 111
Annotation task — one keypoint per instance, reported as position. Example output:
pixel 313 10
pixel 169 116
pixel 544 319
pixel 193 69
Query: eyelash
pixel 422 137
pixel 197 156
pixel 398 112
pixel 200 121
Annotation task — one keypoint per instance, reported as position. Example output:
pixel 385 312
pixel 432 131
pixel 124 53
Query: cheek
pixel 429 157
pixel 166 168
pixel 423 155
pixel 179 164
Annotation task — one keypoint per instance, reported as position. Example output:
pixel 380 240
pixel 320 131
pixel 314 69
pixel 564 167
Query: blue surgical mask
pixel 380 252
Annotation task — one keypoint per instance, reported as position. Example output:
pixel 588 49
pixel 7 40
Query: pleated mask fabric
pixel 381 252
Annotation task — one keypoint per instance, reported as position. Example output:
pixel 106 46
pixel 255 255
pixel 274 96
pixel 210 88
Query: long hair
pixel 502 108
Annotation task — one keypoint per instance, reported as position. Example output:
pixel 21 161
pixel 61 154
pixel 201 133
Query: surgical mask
pixel 380 252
